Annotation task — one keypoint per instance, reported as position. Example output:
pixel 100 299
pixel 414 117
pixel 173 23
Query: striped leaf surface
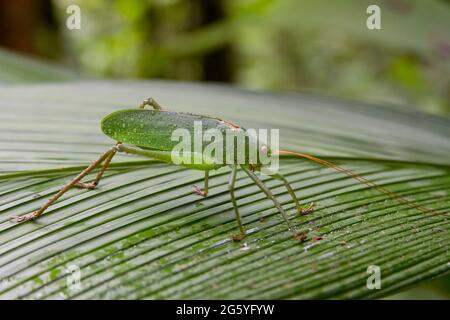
pixel 144 234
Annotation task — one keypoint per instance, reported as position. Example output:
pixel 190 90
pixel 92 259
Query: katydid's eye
pixel 263 149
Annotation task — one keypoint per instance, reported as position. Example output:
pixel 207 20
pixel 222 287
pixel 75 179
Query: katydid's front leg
pixel 203 192
pixel 300 209
pixel 108 154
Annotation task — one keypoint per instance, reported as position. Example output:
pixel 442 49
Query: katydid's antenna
pixel 363 180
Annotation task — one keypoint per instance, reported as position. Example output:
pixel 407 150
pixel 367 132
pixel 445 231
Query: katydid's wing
pixel 153 129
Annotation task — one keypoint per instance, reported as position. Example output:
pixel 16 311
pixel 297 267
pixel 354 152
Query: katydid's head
pixel 259 152
pixel 265 150
pixel 264 158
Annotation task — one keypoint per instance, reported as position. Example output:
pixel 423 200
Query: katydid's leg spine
pixel 150 102
pixel 81 175
pixel 300 209
pixel 204 192
pixel 231 185
pixel 269 195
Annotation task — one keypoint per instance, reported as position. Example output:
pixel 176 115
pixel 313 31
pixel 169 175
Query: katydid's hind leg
pixel 231 185
pixel 94 184
pixel 269 195
pixel 81 175
pixel 303 210
pixel 199 191
pixel 150 102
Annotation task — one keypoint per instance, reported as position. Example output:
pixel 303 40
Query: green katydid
pixel 147 133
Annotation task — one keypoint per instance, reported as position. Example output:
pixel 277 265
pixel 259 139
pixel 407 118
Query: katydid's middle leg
pixel 203 192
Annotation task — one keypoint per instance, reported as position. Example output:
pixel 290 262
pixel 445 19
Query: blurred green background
pixel 316 47
pixel 320 47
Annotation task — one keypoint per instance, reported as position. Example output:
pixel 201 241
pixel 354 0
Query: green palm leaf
pixel 144 234
pixel 17 68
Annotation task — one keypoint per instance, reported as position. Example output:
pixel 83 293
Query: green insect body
pixel 152 128
pixel 152 131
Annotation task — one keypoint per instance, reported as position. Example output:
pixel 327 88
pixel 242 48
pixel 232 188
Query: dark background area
pixel 319 47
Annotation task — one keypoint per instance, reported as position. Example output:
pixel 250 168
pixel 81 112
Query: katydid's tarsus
pixel 148 133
